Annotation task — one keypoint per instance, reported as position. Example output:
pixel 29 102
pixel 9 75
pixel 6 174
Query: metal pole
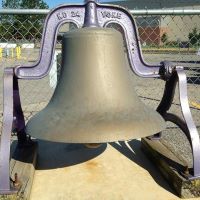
pixel 134 12
pixel 166 12
pixel 24 11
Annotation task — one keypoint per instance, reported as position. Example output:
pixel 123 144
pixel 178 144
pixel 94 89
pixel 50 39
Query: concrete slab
pixel 112 172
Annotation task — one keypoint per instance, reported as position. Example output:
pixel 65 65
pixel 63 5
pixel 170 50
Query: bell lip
pixel 99 140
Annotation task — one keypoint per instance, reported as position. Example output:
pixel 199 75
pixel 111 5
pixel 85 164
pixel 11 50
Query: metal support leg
pixel 193 133
pixel 187 126
pixel 6 133
pixel 168 96
pixel 19 122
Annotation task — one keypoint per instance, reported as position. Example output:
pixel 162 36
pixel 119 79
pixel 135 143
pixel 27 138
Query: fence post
pixel 1 53
pixel 18 51
pixel 12 53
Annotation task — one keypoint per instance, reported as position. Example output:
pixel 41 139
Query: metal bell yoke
pixel 92 15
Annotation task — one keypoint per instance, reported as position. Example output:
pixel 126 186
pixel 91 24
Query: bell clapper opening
pixel 93 145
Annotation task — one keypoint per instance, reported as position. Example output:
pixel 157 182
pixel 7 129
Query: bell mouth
pixel 92 145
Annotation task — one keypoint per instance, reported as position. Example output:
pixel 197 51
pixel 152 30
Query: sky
pixel 53 3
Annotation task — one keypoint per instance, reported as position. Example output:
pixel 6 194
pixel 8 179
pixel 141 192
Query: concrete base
pixel 173 169
pixel 115 171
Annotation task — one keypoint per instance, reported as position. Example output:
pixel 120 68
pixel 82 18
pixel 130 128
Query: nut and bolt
pixel 16 182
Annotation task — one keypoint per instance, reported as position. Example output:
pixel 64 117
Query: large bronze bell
pixel 95 100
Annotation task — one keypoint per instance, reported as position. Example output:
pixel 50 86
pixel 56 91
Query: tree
pixel 194 37
pixel 11 3
pixel 36 4
pixel 31 26
pixel 24 4
pixel 27 27
pixel 6 21
pixel 164 38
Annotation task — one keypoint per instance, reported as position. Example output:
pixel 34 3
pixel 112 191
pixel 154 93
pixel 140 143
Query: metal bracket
pixel 6 133
pixel 187 126
pixel 57 17
pixel 13 119
pixel 19 121
pixel 90 14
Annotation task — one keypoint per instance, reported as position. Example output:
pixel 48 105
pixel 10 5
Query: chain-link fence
pixel 174 38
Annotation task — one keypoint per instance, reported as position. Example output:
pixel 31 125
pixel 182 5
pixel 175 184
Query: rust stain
pixel 94 170
pixel 92 165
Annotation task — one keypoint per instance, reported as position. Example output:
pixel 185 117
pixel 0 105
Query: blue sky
pixel 53 3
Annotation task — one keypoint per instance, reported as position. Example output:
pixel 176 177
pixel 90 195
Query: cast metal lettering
pixel 113 15
pixel 75 14
pixel 62 15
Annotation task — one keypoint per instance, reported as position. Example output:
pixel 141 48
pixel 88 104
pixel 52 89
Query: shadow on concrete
pixel 52 155
pixel 133 152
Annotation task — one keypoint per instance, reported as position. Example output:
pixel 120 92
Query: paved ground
pixel 116 172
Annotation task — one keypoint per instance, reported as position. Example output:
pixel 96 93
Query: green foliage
pixel 164 38
pixel 172 44
pixel 26 27
pixel 194 37
pixel 37 4
pixel 11 3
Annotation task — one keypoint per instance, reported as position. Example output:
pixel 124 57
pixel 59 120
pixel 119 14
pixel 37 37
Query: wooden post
pixel 172 168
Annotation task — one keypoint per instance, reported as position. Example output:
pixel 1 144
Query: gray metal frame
pixel 6 133
pixel 91 14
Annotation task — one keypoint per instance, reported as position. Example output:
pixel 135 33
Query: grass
pixel 9 197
